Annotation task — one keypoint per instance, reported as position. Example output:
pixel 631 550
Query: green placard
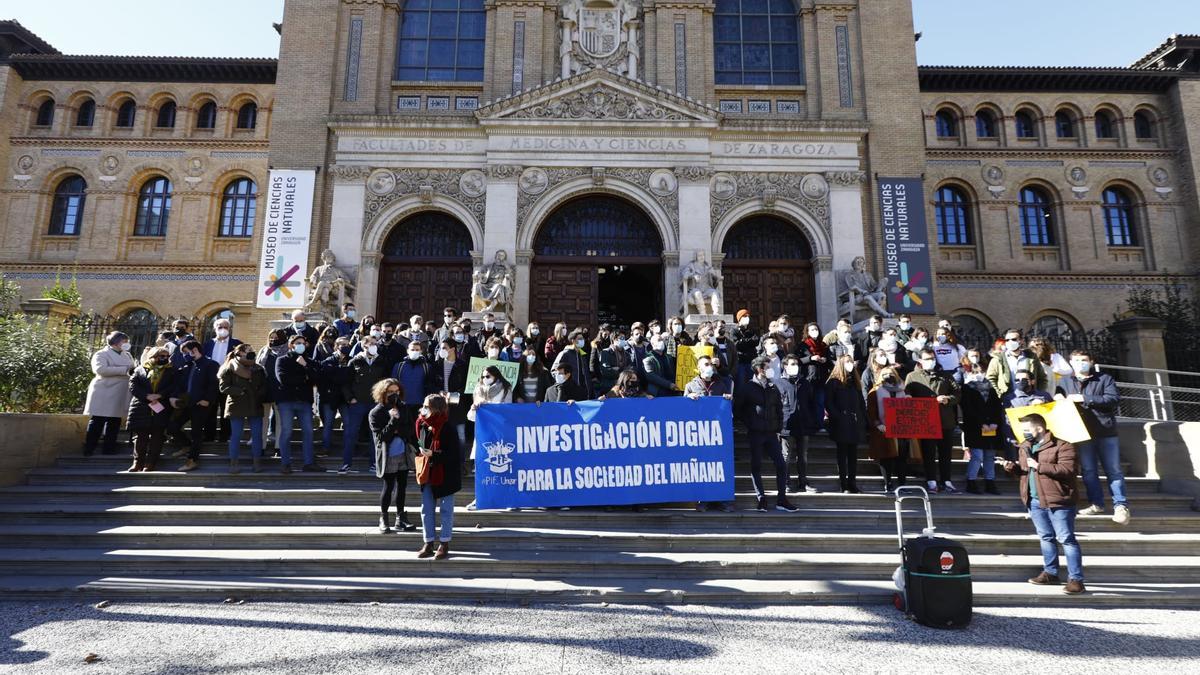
pixel 508 369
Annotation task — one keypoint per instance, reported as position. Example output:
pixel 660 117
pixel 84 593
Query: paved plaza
pixel 55 637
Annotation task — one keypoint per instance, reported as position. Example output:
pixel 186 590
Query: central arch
pixel 768 269
pixel 425 265
pixel 597 258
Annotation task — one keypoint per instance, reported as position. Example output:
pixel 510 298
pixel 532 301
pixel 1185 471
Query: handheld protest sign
pixel 912 418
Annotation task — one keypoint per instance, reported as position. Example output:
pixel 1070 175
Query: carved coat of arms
pixel 599 31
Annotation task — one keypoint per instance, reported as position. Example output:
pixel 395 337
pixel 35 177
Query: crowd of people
pixel 407 384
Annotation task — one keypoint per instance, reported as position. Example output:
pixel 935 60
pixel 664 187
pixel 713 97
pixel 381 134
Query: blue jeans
pixel 428 506
pixel 985 457
pixel 1057 525
pixel 1106 451
pixel 327 416
pixel 236 425
pixel 289 411
pixel 352 421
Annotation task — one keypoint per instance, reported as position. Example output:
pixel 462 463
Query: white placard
pixel 283 267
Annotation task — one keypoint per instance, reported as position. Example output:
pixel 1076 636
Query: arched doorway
pixel 426 266
pixel 597 259
pixel 768 270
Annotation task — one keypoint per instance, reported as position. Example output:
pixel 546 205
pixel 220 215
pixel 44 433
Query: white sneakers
pixel 931 486
pixel 1121 514
pixel 1092 510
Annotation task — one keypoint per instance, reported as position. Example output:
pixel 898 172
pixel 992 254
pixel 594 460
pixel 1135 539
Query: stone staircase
pixel 83 528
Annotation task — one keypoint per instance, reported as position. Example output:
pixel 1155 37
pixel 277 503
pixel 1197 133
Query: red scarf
pixel 434 424
pixel 816 347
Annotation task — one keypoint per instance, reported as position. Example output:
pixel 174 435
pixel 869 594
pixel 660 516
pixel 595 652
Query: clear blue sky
pixel 956 32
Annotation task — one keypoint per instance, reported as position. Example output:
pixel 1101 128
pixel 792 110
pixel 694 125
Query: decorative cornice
pixel 1050 278
pixel 108 141
pixel 1031 153
pixel 846 178
pixel 504 172
pixel 127 268
pixel 349 173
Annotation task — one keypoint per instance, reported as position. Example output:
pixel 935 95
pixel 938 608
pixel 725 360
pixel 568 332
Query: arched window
pixel 66 214
pixel 1143 126
pixel 206 118
pixel 985 124
pixel 971 331
pixel 1064 124
pixel 247 116
pixel 1037 217
pixel 238 207
pixel 86 115
pixel 429 235
pixel 166 116
pixel 45 113
pixel 947 124
pixel 1119 228
pixel 441 40
pixel 757 42
pixel 952 211
pixel 1050 326
pixel 1026 126
pixel 154 208
pixel 1106 126
pixel 126 114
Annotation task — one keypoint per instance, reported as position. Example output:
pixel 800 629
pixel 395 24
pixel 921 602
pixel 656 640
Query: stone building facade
pixel 602 146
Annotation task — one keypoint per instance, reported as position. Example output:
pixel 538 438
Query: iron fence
pixel 141 327
pixel 1104 344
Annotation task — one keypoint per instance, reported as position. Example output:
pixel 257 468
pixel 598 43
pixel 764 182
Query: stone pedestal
pixel 477 317
pixel 693 321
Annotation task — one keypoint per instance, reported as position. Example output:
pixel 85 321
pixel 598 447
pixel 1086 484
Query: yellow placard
pixel 1062 417
pixel 685 363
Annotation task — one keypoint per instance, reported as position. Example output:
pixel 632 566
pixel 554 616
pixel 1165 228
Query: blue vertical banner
pixel 602 453
pixel 906 254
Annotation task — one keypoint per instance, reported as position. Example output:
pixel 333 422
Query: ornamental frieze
pixel 600 102
pixel 385 186
pixel 537 182
pixel 729 190
pixel 349 173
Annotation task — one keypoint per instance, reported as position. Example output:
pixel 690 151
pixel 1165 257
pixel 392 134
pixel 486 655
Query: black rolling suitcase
pixel 934 574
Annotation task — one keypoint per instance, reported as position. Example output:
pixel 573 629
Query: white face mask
pixel 559 378
pixel 1082 367
pixel 489 325
pixel 928 364
pixel 769 373
pixel 881 360
pixel 535 331
pixel 372 350
pixel 1013 345
pixel 443 353
pixel 849 366
pixel 425 412
pixel 677 329
pixel 941 339
pixel 300 325
pixel 489 381
pixel 706 372
pixel 622 343
pixel 518 340
pixel 580 343
pixel 772 350
pixel 459 337
pixel 814 333
pixel 904 325
pixel 974 360
pixel 920 341
pixel 414 356
pixel 298 347
pixel 531 359
pixel 745 321
pixel 222 333
pixel 376 333
pixel 493 354
pixel 656 345
pixel 124 346
pixel 844 337
pixel 793 370
pixel 874 327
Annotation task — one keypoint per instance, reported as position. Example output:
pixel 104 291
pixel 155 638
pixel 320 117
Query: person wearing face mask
pixel 468 346
pixel 414 332
pixel 328 344
pixel 659 369
pixel 533 379
pixel 786 335
pixel 983 421
pixel 639 346
pixel 876 362
pixel 612 361
pixel 847 423
pixel 297 375
pixel 773 353
pixel 535 338
pixel 868 340
pixel 676 337
pixel 448 378
pixel 364 328
pixel 515 351
pixel 275 347
pixel 723 349
pixel 1002 370
pixel 565 389
pixel 243 384
pixel 949 355
pixel 489 329
pixel 904 328
pixel 366 369
pixel 1053 363
pixel 746 338
pixel 604 338
pixel 928 381
pixel 449 319
pixel 348 322
pixel 491 388
pixel 1021 395
pixel 332 378
pixel 796 394
pixel 439 458
pixel 708 383
pixel 891 453
pixel 108 394
pixel 300 327
pixel 918 342
pixel 760 408
pixel 628 385
pixel 893 347
pixel 816 363
pixel 413 375
pixel 575 359
pixel 1045 469
pixel 393 431
pixel 845 345
pixel 555 343
pixel 180 335
pixel 1096 397
pixel 154 394
pixel 202 393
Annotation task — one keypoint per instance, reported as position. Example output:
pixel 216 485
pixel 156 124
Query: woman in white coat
pixel 108 394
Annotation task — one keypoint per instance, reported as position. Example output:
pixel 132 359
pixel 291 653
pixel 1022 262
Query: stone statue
pixel 331 288
pixel 860 291
pixel 700 284
pixel 492 286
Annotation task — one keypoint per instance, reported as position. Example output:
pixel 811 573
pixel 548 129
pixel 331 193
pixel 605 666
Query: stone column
pixel 695 231
pixel 368 283
pixel 500 227
pixel 1143 346
pixel 55 312
pixel 846 217
pixel 523 260
pixel 672 294
pixel 346 225
pixel 826 291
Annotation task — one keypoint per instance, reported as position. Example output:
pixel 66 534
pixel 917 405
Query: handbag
pixel 429 472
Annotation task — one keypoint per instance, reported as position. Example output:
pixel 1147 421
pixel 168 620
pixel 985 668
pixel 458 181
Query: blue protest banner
pixel 601 453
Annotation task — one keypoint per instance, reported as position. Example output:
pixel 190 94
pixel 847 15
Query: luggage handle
pixel 918 493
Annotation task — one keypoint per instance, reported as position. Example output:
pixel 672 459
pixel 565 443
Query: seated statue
pixel 492 286
pixel 330 287
pixel 700 284
pixel 861 294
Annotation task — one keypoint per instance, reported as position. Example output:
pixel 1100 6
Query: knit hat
pixel 741 313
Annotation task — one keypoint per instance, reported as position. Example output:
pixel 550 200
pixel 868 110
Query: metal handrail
pixel 1106 366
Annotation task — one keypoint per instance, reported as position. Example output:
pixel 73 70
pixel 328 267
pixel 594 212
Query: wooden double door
pixel 591 293
pixel 424 287
pixel 770 288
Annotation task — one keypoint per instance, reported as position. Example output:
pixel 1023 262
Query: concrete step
pixel 588 590
pixel 321 492
pixel 532 564
pixel 950 516
pixel 69 535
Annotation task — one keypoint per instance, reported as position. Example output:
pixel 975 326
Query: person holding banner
pixel 847 419
pixel 575 358
pixel 394 433
pixel 1097 399
pixel 565 389
pixel 708 383
pixel 928 381
pixel 760 408
pixel 439 473
pixel 628 385
pixel 491 388
pixel 611 361
pixel 532 379
pixel 891 453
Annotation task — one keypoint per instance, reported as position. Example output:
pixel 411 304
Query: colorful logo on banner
pixel 906 291
pixel 599 453
pixel 280 283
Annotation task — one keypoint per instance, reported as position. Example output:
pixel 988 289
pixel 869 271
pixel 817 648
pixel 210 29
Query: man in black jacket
pixel 565 389
pixel 201 377
pixel 300 327
pixel 297 375
pixel 760 408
